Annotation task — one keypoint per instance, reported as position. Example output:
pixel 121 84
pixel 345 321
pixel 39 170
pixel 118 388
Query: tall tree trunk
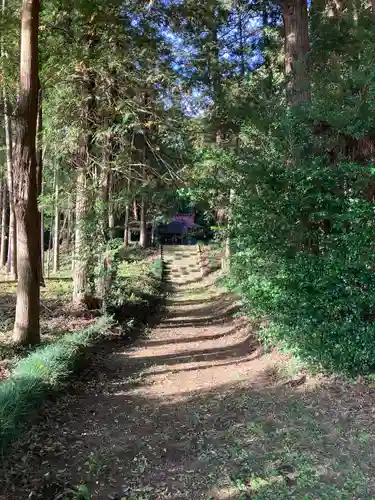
pixel 39 164
pixel 12 241
pixel 80 253
pixel 296 49
pixel 56 234
pixel 5 195
pixel 26 327
pixel 82 239
pixel 218 130
pixel 102 283
pixel 4 225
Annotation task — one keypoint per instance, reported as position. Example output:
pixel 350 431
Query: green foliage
pixel 136 290
pixel 41 373
pixel 303 218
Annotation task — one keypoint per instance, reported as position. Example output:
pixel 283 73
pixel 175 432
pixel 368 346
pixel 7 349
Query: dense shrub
pixel 304 232
pixel 136 291
pixel 305 254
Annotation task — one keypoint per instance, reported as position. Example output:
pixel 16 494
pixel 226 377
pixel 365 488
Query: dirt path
pixel 196 411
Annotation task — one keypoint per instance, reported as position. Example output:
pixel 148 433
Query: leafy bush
pixel 136 290
pixel 305 258
pixel 42 372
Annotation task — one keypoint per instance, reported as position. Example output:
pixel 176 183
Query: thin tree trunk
pixel 143 237
pixel 41 232
pixel 12 241
pixel 82 241
pixel 105 193
pixel 296 49
pixel 111 222
pixel 49 250
pixel 109 214
pixel 4 226
pixel 26 327
pixel 218 129
pixel 39 163
pixel 5 195
pixel 70 223
pixel 12 247
pixel 56 234
pixel 126 226
pixel 80 257
pixel 103 282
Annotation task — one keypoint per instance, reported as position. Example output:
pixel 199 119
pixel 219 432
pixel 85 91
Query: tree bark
pixel 39 163
pixel 102 282
pixel 12 247
pixel 70 223
pixel 5 195
pixel 26 327
pixel 4 225
pixel 82 238
pixel 143 237
pixel 111 222
pixel 80 257
pixel 12 240
pixel 126 226
pixel 296 44
pixel 56 234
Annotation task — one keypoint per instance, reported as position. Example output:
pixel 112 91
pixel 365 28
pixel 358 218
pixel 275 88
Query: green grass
pixel 42 372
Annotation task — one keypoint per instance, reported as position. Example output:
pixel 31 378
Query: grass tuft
pixel 41 373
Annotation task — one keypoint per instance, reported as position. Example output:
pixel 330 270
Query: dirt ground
pixel 195 410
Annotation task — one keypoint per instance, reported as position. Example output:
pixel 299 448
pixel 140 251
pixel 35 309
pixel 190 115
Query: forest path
pixel 196 411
